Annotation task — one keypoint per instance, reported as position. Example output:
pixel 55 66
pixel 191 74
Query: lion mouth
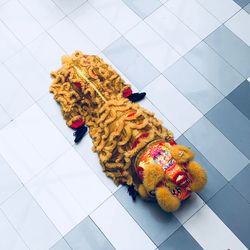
pixel 181 179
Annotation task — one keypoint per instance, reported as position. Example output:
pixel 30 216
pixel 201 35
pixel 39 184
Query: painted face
pixel 176 177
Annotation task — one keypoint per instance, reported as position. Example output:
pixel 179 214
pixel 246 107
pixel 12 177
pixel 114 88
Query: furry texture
pixel 166 200
pixel 181 153
pixel 143 192
pixel 114 122
pixel 120 130
pixel 199 176
pixel 153 174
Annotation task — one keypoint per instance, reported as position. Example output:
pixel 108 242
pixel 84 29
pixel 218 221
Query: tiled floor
pixel 193 60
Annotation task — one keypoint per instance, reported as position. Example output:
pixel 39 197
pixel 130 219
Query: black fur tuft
pixel 132 192
pixel 79 133
pixel 136 97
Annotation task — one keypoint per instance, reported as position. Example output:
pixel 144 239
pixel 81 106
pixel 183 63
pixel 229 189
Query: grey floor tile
pixel 241 182
pixel 157 224
pixel 193 85
pixel 234 211
pixel 141 8
pixel 61 245
pixel 180 239
pixel 242 3
pixel 247 8
pixel 233 124
pixel 240 97
pixel 232 48
pixel 10 240
pixel 128 60
pixel 30 221
pixel 222 154
pixel 9 182
pixel 87 236
pixel 215 179
pixel 224 77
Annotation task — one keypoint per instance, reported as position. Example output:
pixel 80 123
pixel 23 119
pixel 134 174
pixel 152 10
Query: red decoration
pixel 131 114
pixel 127 92
pixel 77 124
pixel 172 143
pixel 77 85
pixel 136 142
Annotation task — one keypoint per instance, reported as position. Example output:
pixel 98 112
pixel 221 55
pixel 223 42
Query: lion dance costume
pixel 133 147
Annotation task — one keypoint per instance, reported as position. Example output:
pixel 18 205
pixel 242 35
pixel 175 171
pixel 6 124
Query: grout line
pixel 222 55
pixel 14 228
pixel 134 217
pixel 101 231
pixel 226 136
pixel 113 195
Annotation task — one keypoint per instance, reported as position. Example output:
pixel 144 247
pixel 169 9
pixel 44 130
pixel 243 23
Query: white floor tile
pixel 194 16
pixel 13 97
pixel 152 46
pixel 10 240
pixel 4 117
pixel 52 109
pixel 42 134
pixel 56 201
pixel 166 123
pixel 68 6
pixel 119 227
pixel 8 43
pixel 117 13
pixel 222 9
pixel 189 208
pixel 29 73
pixel 20 22
pixel 172 104
pixel 210 232
pixel 19 153
pixel 240 25
pixel 74 40
pixel 94 26
pixel 3 1
pixel 45 12
pixel 30 221
pixel 171 29
pixel 80 180
pixel 85 150
pixel 9 183
pixel 47 52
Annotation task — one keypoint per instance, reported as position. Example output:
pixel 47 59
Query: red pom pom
pixel 77 124
pixel 127 92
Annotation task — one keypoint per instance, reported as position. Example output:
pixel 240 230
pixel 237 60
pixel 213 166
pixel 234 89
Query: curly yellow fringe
pixel 114 124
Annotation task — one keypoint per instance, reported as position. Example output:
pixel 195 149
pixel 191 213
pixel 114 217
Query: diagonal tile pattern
pixel 193 60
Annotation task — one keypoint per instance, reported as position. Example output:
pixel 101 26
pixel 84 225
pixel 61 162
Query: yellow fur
pixel 199 176
pixel 153 174
pixel 181 153
pixel 166 200
pixel 143 192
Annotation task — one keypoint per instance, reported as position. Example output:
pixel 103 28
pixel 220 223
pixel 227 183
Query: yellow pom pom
pixel 152 175
pixel 166 200
pixel 143 192
pixel 199 176
pixel 181 153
